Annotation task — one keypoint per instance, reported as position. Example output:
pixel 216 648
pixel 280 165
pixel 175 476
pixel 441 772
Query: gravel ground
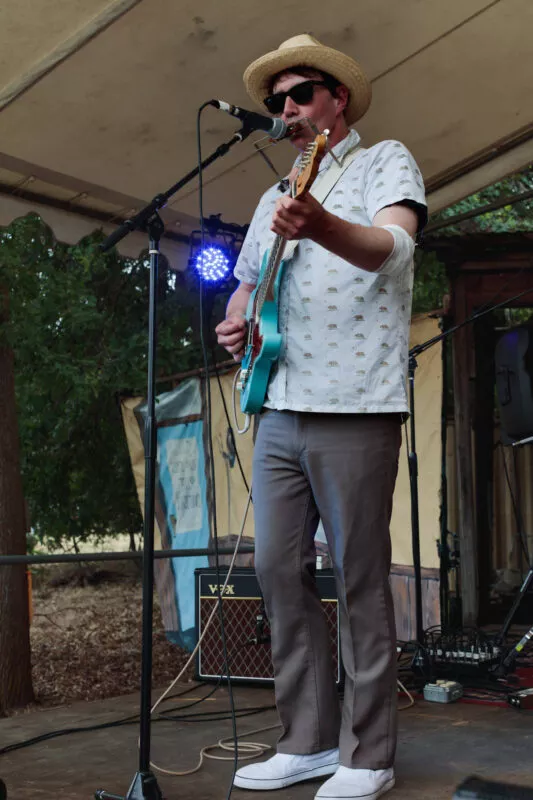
pixel 86 636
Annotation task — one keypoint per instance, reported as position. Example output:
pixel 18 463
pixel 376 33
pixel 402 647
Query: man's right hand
pixel 231 334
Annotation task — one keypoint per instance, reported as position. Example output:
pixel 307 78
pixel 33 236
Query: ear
pixel 342 97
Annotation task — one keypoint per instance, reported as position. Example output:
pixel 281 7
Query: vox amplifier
pixel 242 605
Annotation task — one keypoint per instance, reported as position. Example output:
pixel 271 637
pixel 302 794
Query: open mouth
pixel 303 125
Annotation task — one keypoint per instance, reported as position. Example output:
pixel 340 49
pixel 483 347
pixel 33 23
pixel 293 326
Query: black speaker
pixel 514 382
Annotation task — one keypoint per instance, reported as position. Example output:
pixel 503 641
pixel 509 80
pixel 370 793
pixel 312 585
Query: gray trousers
pixel 340 468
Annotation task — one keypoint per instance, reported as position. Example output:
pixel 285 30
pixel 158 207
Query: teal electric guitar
pixel 264 339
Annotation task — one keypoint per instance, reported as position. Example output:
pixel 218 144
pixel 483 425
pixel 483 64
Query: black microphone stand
pixel 144 785
pixel 414 352
pixel 413 484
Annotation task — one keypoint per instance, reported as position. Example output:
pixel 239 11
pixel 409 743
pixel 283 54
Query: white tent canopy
pixel 98 99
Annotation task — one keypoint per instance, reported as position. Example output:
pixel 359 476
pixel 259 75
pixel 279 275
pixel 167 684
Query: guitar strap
pixel 321 189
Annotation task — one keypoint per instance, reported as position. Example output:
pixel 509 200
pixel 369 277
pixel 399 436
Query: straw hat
pixel 305 50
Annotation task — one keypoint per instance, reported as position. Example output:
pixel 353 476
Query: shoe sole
pixel 267 784
pixel 373 796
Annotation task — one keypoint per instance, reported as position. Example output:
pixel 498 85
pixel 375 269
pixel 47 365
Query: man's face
pixel 323 109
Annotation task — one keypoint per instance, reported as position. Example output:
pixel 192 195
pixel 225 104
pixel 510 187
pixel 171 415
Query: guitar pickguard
pixel 263 347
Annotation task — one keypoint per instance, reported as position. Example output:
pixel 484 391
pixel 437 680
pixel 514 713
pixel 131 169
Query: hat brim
pixel 258 75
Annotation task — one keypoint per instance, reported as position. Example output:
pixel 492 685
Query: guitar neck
pixel 307 173
pixel 266 290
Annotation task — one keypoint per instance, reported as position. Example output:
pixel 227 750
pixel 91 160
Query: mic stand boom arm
pixel 140 221
pixel 144 785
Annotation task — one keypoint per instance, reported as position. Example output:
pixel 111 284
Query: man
pixel 329 435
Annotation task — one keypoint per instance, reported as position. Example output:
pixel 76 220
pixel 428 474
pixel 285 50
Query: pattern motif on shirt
pixel 345 330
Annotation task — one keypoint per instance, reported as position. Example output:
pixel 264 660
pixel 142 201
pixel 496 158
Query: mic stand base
pixel 143 787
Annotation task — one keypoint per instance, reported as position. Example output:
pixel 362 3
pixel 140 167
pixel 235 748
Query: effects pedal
pixel 443 691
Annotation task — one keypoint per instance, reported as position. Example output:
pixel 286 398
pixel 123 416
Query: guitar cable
pixel 226 412
pixel 191 658
pixel 247 417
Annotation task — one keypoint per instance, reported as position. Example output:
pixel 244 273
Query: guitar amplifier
pixel 241 605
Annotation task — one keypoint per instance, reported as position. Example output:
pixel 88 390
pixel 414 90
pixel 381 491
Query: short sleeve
pixel 248 263
pixel 392 177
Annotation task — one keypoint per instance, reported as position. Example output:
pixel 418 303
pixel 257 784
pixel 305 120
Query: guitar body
pixel 264 345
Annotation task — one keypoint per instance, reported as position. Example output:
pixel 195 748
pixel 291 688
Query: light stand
pixel 144 785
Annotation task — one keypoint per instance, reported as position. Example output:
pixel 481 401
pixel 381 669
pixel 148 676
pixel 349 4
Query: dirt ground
pixel 86 635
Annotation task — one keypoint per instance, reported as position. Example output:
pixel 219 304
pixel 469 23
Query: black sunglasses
pixel 301 94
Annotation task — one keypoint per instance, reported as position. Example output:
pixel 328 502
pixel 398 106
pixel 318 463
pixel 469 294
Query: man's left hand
pixel 301 218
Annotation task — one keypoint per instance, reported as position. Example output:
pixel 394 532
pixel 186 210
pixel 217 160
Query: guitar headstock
pixel 309 164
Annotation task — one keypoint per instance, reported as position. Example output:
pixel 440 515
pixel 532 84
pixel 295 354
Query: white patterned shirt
pixel 345 330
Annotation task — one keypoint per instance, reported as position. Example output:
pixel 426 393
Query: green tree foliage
pixel 512 218
pixel 431 282
pixel 78 329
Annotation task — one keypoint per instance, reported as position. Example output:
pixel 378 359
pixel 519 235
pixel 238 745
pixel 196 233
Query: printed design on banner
pixel 183 462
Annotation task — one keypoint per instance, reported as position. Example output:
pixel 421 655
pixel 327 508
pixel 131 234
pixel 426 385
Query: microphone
pixel 274 126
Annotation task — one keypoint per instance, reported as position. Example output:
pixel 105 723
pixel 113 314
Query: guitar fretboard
pixel 276 251
pixel 274 259
pixel 265 289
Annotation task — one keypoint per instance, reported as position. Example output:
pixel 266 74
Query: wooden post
pixel 484 456
pixel 462 350
pixel 15 658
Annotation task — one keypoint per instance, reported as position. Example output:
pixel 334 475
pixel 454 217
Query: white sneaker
pixel 357 784
pixel 283 770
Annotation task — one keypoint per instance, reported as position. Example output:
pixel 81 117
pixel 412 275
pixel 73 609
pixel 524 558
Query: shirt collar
pixel 341 150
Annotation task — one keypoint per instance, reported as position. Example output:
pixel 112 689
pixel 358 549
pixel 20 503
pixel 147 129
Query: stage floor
pixel 439 746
